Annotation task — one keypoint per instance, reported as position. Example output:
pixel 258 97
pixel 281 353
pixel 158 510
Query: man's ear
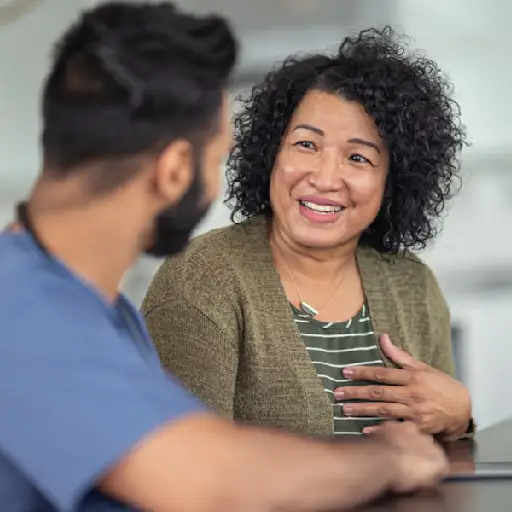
pixel 174 171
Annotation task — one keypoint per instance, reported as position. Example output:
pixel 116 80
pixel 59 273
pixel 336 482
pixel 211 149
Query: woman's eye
pixel 305 144
pixel 356 157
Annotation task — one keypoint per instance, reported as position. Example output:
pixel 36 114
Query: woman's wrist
pixel 465 427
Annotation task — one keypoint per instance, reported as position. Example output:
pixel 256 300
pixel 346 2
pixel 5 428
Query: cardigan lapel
pixel 276 312
pixel 381 297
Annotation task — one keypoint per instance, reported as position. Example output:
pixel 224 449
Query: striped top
pixel 333 346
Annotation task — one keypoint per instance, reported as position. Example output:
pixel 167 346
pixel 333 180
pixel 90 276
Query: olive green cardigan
pixel 223 325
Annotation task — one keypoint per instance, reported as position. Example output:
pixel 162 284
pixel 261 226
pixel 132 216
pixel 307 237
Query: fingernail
pixel 367 430
pixel 339 395
pixel 347 372
pixel 347 410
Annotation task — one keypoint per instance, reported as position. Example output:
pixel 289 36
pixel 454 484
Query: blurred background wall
pixel 473 256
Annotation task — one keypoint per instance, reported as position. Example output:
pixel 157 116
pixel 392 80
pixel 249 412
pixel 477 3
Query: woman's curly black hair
pixel 411 103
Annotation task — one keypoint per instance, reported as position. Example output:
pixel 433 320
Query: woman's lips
pixel 320 213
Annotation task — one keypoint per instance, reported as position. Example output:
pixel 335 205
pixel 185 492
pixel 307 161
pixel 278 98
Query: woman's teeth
pixel 320 208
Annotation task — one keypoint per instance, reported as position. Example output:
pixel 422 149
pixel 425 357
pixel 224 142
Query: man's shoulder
pixel 35 296
pixel 15 250
pixel 20 270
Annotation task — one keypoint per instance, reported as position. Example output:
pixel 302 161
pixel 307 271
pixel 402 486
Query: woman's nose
pixel 328 176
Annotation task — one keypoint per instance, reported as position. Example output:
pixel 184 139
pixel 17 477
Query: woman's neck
pixel 311 263
pixel 323 282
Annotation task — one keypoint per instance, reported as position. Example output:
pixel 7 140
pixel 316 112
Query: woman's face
pixel 330 173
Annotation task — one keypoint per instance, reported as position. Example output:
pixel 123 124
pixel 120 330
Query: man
pixel 135 128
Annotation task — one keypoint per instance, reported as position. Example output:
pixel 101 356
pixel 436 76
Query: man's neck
pixel 88 240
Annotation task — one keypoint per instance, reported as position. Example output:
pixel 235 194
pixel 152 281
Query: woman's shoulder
pixel 404 271
pixel 406 300
pixel 212 262
pixel 226 247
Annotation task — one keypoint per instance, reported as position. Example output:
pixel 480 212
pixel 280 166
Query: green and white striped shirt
pixel 333 346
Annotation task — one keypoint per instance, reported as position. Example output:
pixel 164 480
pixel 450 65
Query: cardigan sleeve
pixel 440 325
pixel 439 315
pixel 194 345
pixel 197 352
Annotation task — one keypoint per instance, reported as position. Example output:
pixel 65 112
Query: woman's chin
pixel 313 239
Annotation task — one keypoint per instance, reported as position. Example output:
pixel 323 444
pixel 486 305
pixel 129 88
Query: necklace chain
pixel 304 306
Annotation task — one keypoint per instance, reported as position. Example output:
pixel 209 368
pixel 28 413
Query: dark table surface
pixel 490 445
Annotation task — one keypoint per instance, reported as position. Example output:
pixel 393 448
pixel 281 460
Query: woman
pixel 311 314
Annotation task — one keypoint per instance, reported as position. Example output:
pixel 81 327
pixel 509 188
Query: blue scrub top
pixel 80 384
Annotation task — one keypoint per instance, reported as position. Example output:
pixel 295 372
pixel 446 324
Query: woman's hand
pixel 416 392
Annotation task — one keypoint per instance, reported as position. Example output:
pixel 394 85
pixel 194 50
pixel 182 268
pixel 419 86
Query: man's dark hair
pixel 411 102
pixel 127 80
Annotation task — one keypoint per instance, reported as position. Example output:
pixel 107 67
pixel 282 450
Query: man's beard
pixel 175 225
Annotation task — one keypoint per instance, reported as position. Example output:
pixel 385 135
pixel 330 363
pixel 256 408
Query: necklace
pixel 303 305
